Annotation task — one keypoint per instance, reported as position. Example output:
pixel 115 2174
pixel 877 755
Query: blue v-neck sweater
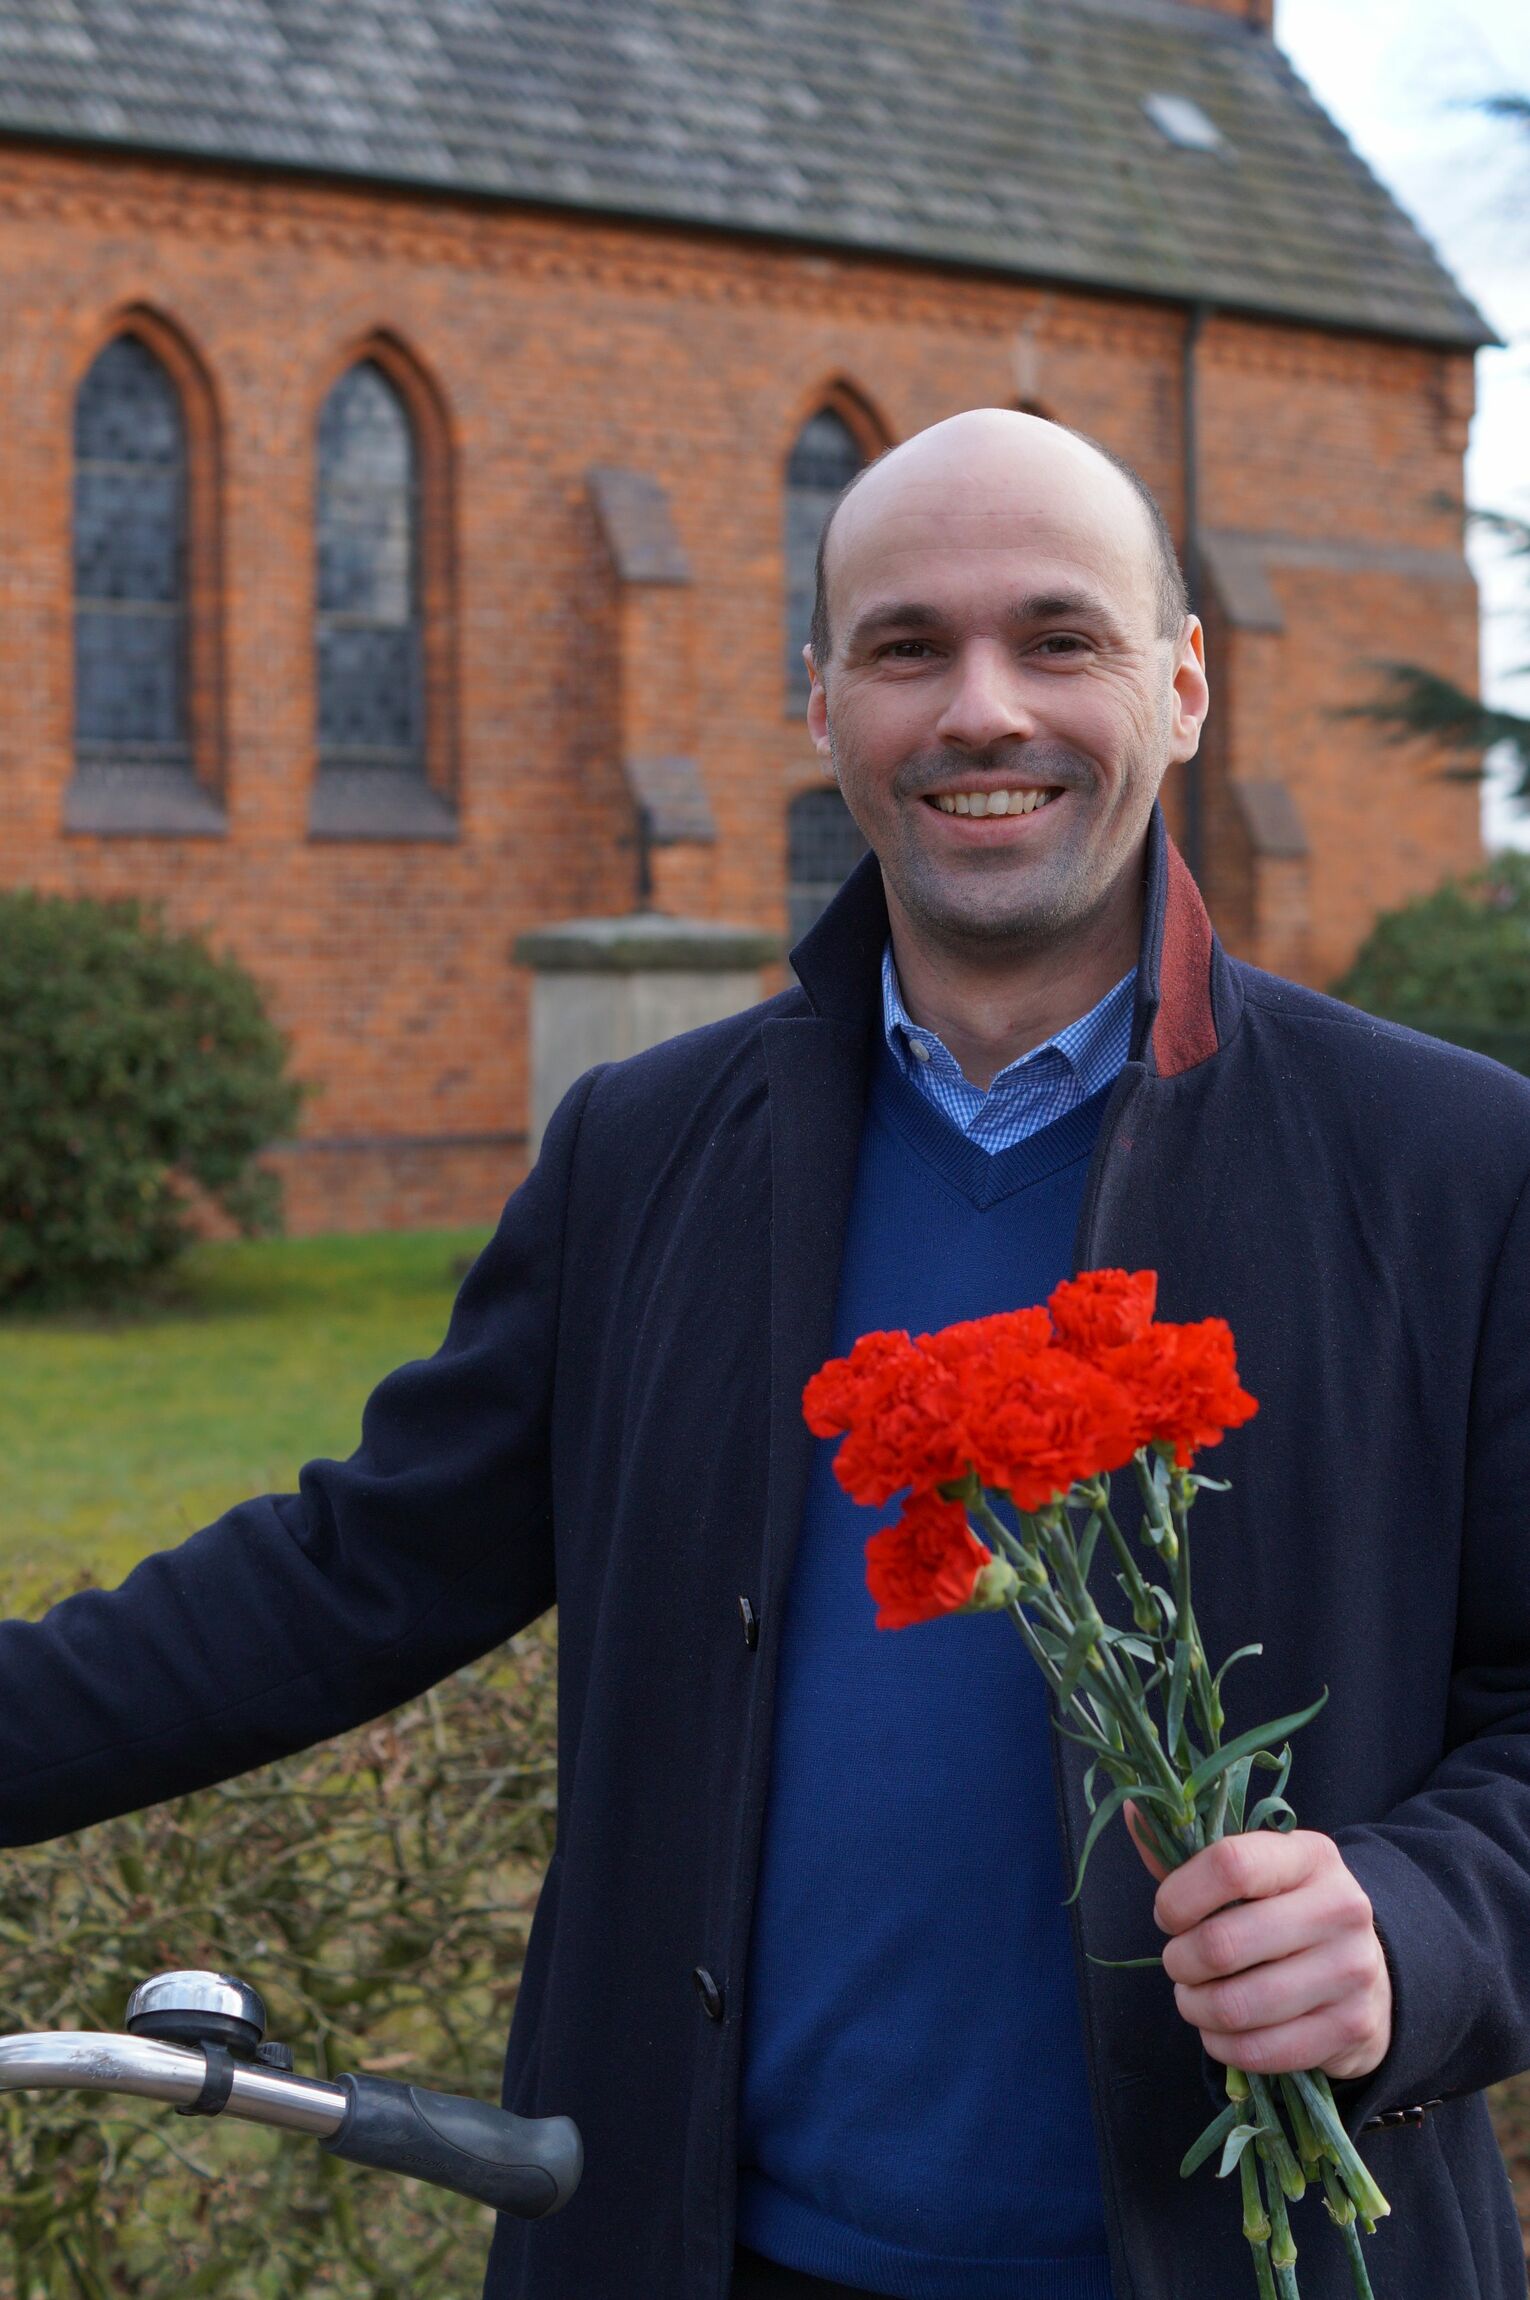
pixel 915 2119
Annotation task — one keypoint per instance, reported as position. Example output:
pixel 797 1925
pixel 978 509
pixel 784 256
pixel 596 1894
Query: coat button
pixel 710 1994
pixel 751 1621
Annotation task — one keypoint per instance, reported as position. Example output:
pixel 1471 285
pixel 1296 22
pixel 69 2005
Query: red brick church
pixel 416 423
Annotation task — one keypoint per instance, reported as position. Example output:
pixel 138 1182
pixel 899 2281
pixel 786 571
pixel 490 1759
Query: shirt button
pixel 919 1050
pixel 710 1994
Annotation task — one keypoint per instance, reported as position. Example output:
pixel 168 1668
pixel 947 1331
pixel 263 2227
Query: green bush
pixel 1455 963
pixel 378 1892
pixel 135 1067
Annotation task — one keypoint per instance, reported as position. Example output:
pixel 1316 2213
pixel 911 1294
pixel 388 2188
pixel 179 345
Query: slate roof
pixel 1005 134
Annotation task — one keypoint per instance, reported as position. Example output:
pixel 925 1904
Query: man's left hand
pixel 1274 1956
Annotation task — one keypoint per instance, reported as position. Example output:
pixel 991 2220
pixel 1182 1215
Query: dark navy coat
pixel 613 1423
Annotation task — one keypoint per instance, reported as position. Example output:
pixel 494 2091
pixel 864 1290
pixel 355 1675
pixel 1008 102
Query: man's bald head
pixel 1005 442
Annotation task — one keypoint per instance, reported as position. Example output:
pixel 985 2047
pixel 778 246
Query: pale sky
pixel 1400 77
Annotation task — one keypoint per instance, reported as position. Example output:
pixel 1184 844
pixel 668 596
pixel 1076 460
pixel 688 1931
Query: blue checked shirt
pixel 1025 1096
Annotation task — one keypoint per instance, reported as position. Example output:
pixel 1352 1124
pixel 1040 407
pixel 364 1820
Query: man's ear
pixel 817 709
pixel 1191 698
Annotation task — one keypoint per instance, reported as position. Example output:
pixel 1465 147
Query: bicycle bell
pixel 198 2008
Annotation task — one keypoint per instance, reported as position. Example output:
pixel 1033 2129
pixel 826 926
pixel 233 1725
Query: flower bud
pixel 996 1586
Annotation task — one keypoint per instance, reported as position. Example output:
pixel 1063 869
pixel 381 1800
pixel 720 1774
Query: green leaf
pixel 1086 1546
pixel 1126 1964
pixel 1211 2139
pixel 1237 2140
pixel 1271 1813
pixel 1242 1654
pixel 1255 1739
pixel 1179 1686
pixel 1103 1814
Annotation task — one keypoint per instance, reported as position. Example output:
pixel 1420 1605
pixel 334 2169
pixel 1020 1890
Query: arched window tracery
pixel 130 564
pixel 369 626
pixel 825 457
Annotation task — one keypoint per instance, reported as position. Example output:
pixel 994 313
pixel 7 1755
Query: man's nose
pixel 985 699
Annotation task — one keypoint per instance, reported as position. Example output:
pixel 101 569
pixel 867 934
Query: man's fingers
pixel 1271 1995
pixel 1231 1940
pixel 1244 1868
pixel 1313 2042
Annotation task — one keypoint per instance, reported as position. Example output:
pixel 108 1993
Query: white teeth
pixel 993 802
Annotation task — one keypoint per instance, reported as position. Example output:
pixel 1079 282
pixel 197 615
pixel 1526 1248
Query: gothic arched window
pixel 371 686
pixel 823 462
pixel 823 846
pixel 131 683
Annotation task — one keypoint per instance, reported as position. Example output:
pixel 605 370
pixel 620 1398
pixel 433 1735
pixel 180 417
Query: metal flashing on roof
pixel 1003 135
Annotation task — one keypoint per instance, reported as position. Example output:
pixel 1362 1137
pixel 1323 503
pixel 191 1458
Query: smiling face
pixel 999 701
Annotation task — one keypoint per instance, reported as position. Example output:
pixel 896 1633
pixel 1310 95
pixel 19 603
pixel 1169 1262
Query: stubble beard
pixel 997 902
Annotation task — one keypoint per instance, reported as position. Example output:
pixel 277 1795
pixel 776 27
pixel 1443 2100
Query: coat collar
pixel 1187 994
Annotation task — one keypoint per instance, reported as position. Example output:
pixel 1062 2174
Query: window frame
pixel 871 435
pixel 388 803
pixel 162 799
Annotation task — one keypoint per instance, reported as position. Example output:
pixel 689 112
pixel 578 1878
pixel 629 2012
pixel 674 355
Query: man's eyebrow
pixel 892 614
pixel 1057 606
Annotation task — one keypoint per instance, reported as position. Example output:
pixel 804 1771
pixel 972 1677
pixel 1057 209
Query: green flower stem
pixel 1308 2146
pixel 1282 2243
pixel 1144 1611
pixel 1280 2156
pixel 1318 2101
pixel 1256 2224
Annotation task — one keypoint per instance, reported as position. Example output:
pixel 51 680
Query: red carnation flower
pixel 925 1565
pixel 1058 1421
pixel 1184 1384
pixel 1101 1309
pixel 901 1412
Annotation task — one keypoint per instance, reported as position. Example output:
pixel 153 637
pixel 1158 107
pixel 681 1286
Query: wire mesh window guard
pixel 824 461
pixel 130 560
pixel 370 641
pixel 823 847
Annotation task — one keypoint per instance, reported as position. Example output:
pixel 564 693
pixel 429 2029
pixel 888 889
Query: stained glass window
pixel 825 460
pixel 130 703
pixel 371 683
pixel 823 846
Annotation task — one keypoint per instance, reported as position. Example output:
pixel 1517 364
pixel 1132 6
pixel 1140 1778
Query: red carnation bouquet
pixel 1002 1435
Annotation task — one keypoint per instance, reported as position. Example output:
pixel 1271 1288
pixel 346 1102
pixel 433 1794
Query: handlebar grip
pixel 529 2166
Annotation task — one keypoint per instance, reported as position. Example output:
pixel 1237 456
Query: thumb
pixel 1140 1839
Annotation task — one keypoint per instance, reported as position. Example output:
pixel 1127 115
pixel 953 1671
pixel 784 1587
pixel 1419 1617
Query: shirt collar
pixel 1094 1047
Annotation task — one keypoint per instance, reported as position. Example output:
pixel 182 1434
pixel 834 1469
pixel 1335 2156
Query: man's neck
pixel 989 1012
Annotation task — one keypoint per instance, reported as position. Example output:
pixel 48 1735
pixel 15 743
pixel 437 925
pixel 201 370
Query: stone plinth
pixel 609 987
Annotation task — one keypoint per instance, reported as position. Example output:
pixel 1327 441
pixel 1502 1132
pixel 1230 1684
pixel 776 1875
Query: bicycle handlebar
pixel 528 2166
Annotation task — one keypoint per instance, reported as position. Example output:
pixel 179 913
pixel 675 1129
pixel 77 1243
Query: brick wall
pixel 547 345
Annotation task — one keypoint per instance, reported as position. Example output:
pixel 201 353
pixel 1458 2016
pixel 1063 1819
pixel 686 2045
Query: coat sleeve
pixel 298 1616
pixel 1448 1870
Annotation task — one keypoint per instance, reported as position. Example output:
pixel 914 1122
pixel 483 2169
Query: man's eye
pixel 906 650
pixel 1062 643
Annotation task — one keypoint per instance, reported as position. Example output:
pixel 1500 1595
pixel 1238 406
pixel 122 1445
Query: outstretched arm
pixel 295 1617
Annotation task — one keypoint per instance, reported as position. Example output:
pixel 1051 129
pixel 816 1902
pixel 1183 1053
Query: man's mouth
pixel 992 802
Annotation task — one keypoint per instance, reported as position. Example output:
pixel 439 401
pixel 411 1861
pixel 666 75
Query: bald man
pixel 801 1968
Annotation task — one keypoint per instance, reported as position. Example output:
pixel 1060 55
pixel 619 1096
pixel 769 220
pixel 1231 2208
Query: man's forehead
pixel 963 530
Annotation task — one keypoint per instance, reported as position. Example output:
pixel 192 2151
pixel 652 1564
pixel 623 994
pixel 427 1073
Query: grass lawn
pixel 122 1435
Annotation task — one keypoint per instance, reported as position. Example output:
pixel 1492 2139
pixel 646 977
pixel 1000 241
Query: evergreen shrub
pixel 134 1065
pixel 1455 963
